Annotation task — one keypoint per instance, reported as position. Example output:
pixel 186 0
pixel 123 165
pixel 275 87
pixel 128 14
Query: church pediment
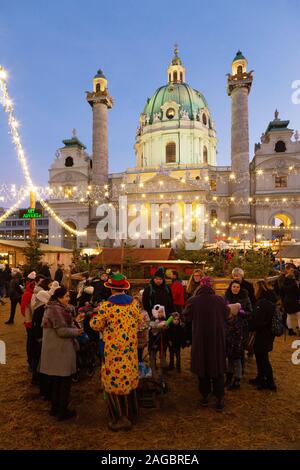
pixel 163 182
pixel 69 177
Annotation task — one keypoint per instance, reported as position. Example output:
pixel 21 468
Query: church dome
pixel 189 99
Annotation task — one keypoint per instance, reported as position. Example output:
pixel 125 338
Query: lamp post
pixel 32 226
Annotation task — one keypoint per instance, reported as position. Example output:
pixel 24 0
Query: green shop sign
pixel 31 214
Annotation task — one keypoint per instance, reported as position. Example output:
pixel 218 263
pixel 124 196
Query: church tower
pixel 238 87
pixel 100 101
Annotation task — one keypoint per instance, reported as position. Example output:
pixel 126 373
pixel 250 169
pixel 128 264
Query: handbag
pixel 250 342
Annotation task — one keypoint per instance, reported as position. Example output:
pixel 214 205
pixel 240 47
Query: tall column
pixel 238 87
pixel 100 101
pixel 100 142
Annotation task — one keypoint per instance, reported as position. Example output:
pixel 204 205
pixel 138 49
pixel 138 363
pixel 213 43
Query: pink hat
pixel 206 281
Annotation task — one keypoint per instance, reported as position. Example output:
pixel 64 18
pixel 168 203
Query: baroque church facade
pixel 176 180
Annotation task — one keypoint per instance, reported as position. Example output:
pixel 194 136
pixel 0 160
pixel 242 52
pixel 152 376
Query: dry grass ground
pixel 252 419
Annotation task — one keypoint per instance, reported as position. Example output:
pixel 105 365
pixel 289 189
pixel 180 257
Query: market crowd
pixel 75 324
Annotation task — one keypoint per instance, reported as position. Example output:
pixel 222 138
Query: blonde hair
pixel 192 285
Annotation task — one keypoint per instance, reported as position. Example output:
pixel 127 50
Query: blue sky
pixel 53 49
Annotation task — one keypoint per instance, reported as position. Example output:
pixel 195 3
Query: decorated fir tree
pixel 33 254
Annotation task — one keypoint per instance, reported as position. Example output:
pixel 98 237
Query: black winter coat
pixel 261 322
pixel 250 289
pixel 241 298
pixel 100 291
pixel 290 295
pixel 161 295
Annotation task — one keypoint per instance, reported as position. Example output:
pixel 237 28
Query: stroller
pixel 88 345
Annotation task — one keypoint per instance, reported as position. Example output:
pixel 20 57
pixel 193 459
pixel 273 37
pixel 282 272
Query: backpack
pixel 277 326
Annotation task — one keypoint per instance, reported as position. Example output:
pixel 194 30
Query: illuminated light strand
pixel 7 104
pixel 12 209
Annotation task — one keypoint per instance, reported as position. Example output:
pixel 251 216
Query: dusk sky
pixel 53 49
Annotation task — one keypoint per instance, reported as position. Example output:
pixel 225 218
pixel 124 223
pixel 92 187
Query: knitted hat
pixel 160 272
pixel 55 285
pixel 117 281
pixel 32 275
pixel 89 290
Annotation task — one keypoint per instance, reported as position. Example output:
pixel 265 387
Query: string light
pixel 8 107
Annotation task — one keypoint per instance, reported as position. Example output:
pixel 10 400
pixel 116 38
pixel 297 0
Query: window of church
pixel 213 215
pixel 240 70
pixel 171 152
pixel 213 184
pixel 175 76
pixel 280 146
pixel 280 181
pixel 170 113
pixel 69 161
pixel 181 76
pixel 204 119
pixel 205 154
pixel 97 87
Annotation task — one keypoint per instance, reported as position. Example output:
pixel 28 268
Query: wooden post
pixel 32 227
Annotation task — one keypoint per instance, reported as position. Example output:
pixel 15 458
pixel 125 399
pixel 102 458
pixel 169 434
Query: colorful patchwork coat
pixel 118 320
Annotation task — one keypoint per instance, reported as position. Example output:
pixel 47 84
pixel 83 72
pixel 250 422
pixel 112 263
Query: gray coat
pixel 58 356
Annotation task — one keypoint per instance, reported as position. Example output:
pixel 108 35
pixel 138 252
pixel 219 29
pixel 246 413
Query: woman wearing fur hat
pixel 41 296
pixel 58 355
pixel 118 320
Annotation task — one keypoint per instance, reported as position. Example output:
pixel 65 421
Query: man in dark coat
pixel 208 313
pixel 59 274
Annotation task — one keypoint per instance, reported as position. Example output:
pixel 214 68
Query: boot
pixel 228 381
pixel 235 385
pixel 220 404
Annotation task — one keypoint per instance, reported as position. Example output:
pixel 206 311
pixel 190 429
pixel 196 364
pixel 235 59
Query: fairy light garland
pixel 7 104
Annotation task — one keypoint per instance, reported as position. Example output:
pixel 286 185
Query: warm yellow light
pixel 179 196
pixel 143 195
pixel 232 176
pixel 3 74
pixel 260 172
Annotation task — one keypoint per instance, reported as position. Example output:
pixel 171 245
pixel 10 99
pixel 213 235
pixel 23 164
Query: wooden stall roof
pixel 291 251
pixel 111 256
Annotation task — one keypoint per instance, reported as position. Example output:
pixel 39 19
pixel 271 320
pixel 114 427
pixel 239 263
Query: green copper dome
pixel 190 100
pixel 239 56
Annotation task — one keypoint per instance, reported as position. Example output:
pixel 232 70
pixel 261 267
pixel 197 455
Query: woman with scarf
pixel 118 319
pixel 58 355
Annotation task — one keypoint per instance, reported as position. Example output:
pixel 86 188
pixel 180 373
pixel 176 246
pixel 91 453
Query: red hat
pixel 117 281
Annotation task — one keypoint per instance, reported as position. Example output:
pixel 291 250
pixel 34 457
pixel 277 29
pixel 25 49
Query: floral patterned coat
pixel 118 320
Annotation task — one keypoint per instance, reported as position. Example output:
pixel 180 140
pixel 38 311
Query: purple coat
pixel 208 313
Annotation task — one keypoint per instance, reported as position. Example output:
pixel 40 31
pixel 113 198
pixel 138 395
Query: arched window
pixel 205 154
pixel 69 161
pixel 171 152
pixel 169 77
pixel 175 76
pixel 280 146
pixel 98 87
pixel 181 76
pixel 204 119
pixel 240 70
pixel 213 215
